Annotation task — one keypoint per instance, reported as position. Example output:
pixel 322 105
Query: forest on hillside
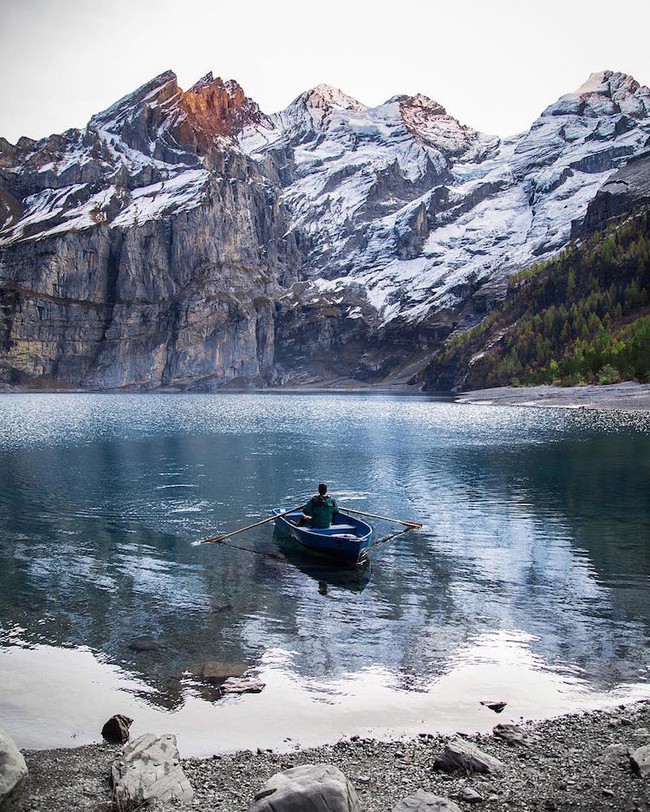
pixel 581 317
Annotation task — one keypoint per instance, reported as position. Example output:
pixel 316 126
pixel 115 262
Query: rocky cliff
pixel 145 250
pixel 184 239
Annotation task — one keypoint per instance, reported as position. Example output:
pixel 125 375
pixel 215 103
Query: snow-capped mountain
pixel 184 238
pixel 409 203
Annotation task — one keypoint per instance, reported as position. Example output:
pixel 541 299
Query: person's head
pixel 322 489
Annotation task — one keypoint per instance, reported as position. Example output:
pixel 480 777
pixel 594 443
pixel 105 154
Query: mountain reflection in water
pixel 535 542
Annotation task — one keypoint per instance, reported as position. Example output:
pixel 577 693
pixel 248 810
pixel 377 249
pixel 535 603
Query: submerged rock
pixel 215 671
pixel 141 644
pixel 245 685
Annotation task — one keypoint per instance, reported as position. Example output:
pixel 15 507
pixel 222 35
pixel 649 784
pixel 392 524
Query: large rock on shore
pixel 149 771
pixel 116 729
pixel 13 770
pixel 316 787
pixel 641 760
pixel 422 801
pixel 462 755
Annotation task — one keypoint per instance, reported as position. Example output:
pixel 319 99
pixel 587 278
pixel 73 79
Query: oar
pixel 217 539
pixel 413 525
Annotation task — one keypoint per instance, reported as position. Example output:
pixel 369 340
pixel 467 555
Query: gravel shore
pixel 576 762
pixel 623 396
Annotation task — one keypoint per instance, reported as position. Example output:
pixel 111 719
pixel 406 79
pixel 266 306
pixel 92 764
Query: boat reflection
pixel 327 572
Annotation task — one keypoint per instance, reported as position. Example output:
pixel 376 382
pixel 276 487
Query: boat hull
pixel 345 540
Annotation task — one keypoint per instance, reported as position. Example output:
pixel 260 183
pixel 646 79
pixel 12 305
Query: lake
pixel 528 583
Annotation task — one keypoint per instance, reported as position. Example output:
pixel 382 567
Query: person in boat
pixel 320 510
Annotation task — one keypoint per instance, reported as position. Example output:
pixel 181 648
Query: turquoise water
pixel 529 579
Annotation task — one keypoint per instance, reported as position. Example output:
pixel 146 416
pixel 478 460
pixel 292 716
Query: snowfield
pixel 400 199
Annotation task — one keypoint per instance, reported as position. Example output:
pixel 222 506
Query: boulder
pixel 116 730
pixel 617 752
pixel 512 734
pixel 640 737
pixel 316 787
pixel 422 801
pixel 470 796
pixel 245 685
pixel 13 770
pixel 215 671
pixel 496 705
pixel 461 755
pixel 149 771
pixel 640 759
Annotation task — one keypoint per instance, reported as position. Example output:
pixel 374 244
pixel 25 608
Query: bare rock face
pixel 185 301
pixel 317 787
pixel 626 189
pixel 145 251
pixel 13 770
pixel 219 108
pixel 149 771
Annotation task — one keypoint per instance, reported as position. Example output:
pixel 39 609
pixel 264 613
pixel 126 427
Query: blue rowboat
pixel 347 539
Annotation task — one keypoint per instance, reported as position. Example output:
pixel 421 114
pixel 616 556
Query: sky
pixel 493 64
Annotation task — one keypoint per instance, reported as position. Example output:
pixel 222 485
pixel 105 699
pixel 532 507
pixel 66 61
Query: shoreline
pixel 625 396
pixel 579 761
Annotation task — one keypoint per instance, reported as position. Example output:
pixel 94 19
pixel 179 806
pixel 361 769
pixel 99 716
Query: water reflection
pixel 325 572
pixel 536 528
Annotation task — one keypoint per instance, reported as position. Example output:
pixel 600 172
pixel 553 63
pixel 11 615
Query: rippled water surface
pixel 528 582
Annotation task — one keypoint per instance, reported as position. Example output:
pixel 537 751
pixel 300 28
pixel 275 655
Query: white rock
pixel 13 769
pixel 641 760
pixel 313 787
pixel 149 771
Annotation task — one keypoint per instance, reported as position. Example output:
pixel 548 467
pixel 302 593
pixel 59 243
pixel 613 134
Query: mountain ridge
pixel 369 232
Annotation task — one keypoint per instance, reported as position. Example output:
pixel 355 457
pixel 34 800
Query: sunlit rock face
pixel 185 239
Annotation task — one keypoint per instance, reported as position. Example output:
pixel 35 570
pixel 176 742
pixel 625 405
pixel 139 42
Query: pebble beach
pixel 574 762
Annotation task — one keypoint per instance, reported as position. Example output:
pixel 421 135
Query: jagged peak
pixel 218 107
pixel 604 93
pixel 158 89
pixel 608 83
pixel 204 81
pixel 429 120
pixel 208 81
pixel 421 102
pixel 327 96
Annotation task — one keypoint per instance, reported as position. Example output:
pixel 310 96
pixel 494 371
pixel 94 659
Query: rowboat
pixel 346 540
